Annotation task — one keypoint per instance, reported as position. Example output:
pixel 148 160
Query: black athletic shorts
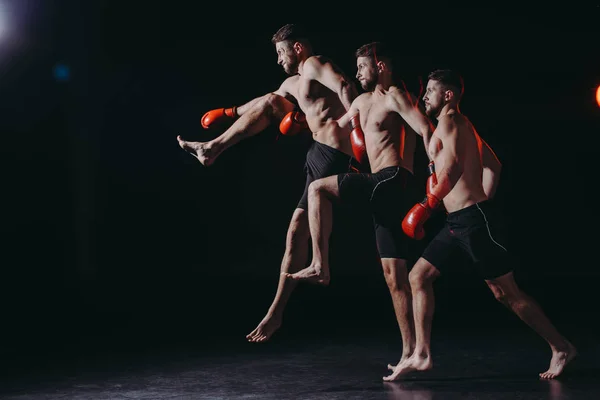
pixel 475 233
pixel 389 194
pixel 323 161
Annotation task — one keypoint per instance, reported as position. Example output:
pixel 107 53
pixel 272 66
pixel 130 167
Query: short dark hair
pixel 376 51
pixel 449 78
pixel 292 32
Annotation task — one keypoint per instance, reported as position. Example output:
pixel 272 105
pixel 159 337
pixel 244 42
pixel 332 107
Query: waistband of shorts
pixel 395 168
pixel 329 148
pixel 468 209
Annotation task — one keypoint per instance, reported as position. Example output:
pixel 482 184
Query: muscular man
pixel 383 112
pixel 467 177
pixel 323 94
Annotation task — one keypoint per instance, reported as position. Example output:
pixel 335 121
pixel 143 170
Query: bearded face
pixel 287 57
pixel 366 73
pixel 434 98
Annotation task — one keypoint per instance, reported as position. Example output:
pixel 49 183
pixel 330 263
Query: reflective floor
pixel 486 365
pixel 334 344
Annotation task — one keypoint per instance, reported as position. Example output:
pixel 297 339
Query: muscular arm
pixel 447 132
pixel 413 116
pixel 344 120
pixel 491 169
pixel 285 89
pixel 326 73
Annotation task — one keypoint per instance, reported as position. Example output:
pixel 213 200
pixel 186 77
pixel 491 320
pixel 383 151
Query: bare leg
pixel 396 277
pixel 251 122
pixel 505 289
pixel 295 257
pixel 320 194
pixel 421 282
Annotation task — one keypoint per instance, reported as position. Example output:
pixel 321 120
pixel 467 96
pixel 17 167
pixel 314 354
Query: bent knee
pixel 506 296
pixel 395 273
pixel 316 188
pixel 278 105
pixel 505 289
pixel 423 273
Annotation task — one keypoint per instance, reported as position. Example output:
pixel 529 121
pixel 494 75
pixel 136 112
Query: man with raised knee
pixel 322 94
pixel 384 122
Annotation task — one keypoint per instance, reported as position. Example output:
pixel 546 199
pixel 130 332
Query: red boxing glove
pixel 413 223
pixel 293 123
pixel 217 116
pixel 357 138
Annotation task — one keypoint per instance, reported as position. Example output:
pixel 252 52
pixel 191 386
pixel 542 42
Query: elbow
pixel 347 91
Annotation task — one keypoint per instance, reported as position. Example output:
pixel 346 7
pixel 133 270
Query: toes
pixel 391 367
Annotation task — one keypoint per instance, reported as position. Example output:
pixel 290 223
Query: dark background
pixel 113 234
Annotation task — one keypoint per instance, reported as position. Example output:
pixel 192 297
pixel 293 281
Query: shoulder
pixel 447 125
pixel 290 81
pixel 396 91
pixel 362 98
pixel 316 60
pixel 400 95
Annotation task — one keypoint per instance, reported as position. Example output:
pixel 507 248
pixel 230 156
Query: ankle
pixel 422 353
pixel 408 351
pixel 274 314
pixel 561 348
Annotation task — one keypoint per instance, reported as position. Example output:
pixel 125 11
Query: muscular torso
pixel 322 108
pixel 388 138
pixel 468 190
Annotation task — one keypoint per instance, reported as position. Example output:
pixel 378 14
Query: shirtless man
pixel 467 179
pixel 388 191
pixel 323 94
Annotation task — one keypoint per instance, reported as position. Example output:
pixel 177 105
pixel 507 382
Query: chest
pixel 376 115
pixel 310 90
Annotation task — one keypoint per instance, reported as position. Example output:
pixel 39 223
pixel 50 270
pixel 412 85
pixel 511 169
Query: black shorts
pixel 323 161
pixel 475 233
pixel 389 194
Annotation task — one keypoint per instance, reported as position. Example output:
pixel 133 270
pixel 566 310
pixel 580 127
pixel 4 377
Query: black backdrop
pixel 108 224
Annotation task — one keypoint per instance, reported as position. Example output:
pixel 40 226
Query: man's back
pixel 457 131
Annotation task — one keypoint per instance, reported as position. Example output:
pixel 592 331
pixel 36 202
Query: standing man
pixel 467 178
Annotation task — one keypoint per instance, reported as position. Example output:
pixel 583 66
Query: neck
pixel 384 84
pixel 301 64
pixel 448 109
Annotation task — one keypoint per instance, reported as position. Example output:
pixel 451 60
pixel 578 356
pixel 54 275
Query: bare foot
pixel 312 273
pixel 392 367
pixel 558 362
pixel 264 330
pixel 205 152
pixel 413 363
